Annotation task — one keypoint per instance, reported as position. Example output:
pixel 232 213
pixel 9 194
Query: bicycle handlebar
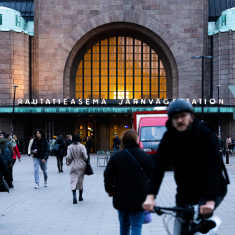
pixel 185 211
pixel 203 226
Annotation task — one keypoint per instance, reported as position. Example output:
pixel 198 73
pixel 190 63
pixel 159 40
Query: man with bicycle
pixel 191 149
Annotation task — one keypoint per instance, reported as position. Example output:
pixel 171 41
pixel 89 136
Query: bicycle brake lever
pixel 158 211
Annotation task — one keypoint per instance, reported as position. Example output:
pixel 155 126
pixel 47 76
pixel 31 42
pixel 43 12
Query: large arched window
pixel 120 67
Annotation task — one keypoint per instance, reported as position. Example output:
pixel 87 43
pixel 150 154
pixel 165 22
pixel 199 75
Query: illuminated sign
pixel 120 102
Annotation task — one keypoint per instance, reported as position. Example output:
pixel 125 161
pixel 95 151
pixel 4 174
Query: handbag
pixel 147 217
pixel 147 214
pixel 88 170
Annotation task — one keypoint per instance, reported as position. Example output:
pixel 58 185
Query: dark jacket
pixel 3 167
pixel 196 162
pixel 124 179
pixel 62 147
pixel 42 147
pixel 89 145
pixel 6 151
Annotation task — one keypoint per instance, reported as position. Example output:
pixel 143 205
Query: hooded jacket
pixel 194 156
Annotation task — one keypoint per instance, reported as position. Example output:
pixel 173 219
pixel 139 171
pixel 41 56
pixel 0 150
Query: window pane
pixel 100 70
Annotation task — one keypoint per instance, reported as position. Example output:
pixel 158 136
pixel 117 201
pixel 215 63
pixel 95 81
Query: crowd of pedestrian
pixel 132 177
pixel 9 151
pixel 39 148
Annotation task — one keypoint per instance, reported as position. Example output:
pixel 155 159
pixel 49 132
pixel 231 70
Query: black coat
pixel 3 167
pixel 62 148
pixel 42 147
pixel 124 179
pixel 194 156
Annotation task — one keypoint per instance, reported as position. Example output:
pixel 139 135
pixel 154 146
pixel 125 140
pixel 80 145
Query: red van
pixel 150 127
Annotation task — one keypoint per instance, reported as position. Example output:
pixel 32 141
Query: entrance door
pixel 103 129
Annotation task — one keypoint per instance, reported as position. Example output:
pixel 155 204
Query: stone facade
pixel 60 25
pixel 223 66
pixel 14 66
pixel 177 27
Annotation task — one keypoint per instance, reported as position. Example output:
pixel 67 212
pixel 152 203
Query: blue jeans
pixel 38 162
pixel 130 222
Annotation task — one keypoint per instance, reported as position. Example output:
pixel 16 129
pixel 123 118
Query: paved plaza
pixel 49 211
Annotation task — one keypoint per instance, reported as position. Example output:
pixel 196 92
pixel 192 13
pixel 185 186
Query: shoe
pixel 80 195
pixel 75 201
pixel 45 184
pixel 36 186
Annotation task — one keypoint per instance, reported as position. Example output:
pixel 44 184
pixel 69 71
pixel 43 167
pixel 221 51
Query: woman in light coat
pixel 76 158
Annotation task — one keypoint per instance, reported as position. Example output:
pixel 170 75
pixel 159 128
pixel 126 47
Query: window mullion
pixel 108 68
pixel 125 67
pixel 133 58
pixel 159 77
pixel 142 67
pixel 83 86
pixel 150 72
pixel 91 72
pixel 116 67
pixel 99 69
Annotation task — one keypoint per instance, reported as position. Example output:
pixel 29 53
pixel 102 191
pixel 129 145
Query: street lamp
pixel 219 123
pixel 203 57
pixel 13 109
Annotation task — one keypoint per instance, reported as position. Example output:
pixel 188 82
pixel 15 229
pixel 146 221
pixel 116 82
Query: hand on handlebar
pixel 149 203
pixel 207 208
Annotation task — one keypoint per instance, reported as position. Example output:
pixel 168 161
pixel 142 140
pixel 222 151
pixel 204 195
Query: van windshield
pixel 152 133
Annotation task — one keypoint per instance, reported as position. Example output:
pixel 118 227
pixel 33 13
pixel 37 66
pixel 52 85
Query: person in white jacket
pixel 30 146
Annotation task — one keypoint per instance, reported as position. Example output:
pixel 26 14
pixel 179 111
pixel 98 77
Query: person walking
pixel 192 150
pixel 40 152
pixel 4 170
pixel 60 153
pixel 228 148
pixel 89 146
pixel 126 179
pixel 116 143
pixel 76 158
pixel 7 156
pixel 16 154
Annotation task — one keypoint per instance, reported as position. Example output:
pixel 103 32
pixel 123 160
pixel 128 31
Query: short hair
pixel 129 139
pixel 76 138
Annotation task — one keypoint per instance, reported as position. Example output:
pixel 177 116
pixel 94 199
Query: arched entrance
pixel 118 61
pixel 120 67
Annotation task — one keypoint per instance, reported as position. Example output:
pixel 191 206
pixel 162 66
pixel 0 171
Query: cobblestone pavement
pixel 49 211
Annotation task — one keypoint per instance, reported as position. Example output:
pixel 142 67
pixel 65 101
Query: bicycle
pixel 191 222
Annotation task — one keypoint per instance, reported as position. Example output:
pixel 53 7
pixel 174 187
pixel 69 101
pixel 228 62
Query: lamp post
pixel 13 109
pixel 219 123
pixel 202 57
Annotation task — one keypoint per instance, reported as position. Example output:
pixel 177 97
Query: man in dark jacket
pixel 7 154
pixel 40 151
pixel 4 172
pixel 126 179
pixel 193 151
